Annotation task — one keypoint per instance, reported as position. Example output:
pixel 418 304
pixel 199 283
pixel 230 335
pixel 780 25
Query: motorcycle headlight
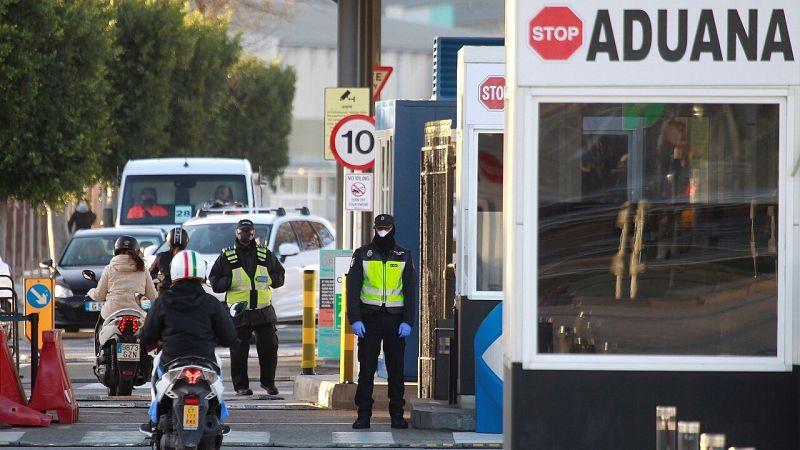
pixel 62 291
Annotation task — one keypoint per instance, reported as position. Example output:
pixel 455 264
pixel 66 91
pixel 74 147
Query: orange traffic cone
pixel 10 385
pixel 13 413
pixel 53 391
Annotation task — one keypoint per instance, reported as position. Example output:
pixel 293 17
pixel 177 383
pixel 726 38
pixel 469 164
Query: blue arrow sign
pixel 38 296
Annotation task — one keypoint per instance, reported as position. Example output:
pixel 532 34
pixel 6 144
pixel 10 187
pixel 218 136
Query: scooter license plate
pixel 92 306
pixel 190 417
pixel 127 352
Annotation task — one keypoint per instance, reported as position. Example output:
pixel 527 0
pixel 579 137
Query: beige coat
pixel 119 282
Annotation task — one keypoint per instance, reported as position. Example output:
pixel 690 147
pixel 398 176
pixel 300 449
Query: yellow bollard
pixel 309 362
pixel 346 344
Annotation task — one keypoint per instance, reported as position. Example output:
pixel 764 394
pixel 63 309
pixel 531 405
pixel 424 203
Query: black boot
pixel 361 422
pixel 399 422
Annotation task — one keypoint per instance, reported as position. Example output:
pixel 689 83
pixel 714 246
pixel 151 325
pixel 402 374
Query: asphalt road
pixel 257 421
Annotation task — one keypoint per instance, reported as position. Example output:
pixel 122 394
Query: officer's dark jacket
pixel 188 321
pixel 221 274
pixel 161 265
pixel 355 278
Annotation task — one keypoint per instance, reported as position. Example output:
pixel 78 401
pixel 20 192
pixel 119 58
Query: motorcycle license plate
pixel 190 417
pixel 92 306
pixel 127 352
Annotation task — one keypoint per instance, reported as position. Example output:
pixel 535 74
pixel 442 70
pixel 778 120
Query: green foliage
pixel 55 120
pixel 257 118
pixel 153 42
pixel 200 87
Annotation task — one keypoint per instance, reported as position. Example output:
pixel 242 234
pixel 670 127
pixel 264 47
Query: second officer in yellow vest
pixel 381 306
pixel 246 273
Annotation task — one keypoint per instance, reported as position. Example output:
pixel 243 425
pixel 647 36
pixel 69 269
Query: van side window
pixel 305 233
pixel 325 236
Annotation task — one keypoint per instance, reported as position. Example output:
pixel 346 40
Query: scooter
pixel 121 362
pixel 189 412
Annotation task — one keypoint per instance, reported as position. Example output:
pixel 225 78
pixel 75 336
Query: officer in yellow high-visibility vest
pixel 246 273
pixel 381 305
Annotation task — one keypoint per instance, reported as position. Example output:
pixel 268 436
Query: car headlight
pixel 63 291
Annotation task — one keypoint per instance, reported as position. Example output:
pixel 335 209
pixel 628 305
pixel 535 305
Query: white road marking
pixel 477 438
pixel 246 438
pixel 362 437
pixel 115 438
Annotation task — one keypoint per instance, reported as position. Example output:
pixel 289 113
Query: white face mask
pixel 383 233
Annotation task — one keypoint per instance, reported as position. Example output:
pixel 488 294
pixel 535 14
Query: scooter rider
pixel 177 240
pixel 186 321
pixel 124 276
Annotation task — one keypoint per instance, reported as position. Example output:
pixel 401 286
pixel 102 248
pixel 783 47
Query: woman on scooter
pixel 124 276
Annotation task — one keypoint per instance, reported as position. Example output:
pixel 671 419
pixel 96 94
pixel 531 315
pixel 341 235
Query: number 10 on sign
pixel 353 142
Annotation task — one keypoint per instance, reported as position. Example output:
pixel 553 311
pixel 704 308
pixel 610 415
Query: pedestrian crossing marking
pixel 113 438
pixel 7 437
pixel 477 438
pixel 362 437
pixel 246 438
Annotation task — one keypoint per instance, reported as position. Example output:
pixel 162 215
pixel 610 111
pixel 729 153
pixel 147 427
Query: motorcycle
pixel 121 363
pixel 189 405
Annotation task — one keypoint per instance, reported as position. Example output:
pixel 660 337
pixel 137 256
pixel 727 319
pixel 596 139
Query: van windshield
pixel 174 199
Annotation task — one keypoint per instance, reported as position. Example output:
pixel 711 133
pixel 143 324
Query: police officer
pixel 177 240
pixel 381 303
pixel 246 273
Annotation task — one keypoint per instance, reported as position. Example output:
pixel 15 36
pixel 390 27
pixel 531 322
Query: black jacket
pixel 81 221
pixel 187 321
pixel 357 311
pixel 221 274
pixel 161 266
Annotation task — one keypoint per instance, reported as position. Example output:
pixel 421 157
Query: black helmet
pixel 178 238
pixel 125 243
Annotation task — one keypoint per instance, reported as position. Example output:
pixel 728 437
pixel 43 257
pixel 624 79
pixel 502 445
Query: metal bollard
pixel 347 343
pixel 309 361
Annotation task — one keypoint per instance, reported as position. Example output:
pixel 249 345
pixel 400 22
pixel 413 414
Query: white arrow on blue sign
pixel 38 296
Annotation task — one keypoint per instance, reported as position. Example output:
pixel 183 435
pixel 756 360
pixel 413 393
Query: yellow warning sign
pixel 39 299
pixel 341 102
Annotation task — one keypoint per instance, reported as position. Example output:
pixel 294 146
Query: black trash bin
pixel 444 335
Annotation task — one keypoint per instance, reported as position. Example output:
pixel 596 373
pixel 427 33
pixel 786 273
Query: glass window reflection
pixel 657 228
pixel 489 236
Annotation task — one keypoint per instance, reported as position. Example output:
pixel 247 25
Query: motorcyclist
pixel 186 321
pixel 124 276
pixel 177 240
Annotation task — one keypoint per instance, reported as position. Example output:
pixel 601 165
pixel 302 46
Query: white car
pixel 294 235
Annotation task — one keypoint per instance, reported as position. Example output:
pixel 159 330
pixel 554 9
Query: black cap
pixel 384 221
pixel 244 223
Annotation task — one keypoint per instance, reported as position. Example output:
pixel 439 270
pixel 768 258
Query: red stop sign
pixel 555 33
pixel 492 92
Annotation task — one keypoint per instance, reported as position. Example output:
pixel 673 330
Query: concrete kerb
pixel 326 391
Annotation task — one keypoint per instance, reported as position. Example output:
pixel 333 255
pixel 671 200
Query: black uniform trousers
pixel 381 327
pixel 267 348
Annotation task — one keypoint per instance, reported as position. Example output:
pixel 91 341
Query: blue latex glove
pixel 405 330
pixel 358 328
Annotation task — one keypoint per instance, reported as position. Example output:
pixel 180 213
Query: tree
pixel 200 87
pixel 257 118
pixel 153 41
pixel 55 119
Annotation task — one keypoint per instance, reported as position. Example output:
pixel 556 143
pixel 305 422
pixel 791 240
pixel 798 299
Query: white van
pixel 174 189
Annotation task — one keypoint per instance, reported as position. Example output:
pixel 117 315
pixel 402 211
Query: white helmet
pixel 187 264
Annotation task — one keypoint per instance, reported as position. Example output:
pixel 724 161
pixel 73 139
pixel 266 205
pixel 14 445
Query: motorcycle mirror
pixel 89 275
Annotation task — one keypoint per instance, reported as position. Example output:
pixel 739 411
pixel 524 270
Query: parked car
pixel 295 236
pixel 88 249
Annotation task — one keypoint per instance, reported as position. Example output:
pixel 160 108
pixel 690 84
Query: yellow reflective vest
pixel 241 283
pixel 383 281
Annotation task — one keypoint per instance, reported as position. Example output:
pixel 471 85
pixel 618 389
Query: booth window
pixel 658 228
pixel 489 222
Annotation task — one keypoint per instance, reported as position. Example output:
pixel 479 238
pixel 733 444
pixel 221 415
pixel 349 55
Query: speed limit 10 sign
pixel 353 142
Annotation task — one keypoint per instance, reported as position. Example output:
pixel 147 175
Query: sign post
pixel 39 299
pixel 358 191
pixel 353 142
pixel 341 102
